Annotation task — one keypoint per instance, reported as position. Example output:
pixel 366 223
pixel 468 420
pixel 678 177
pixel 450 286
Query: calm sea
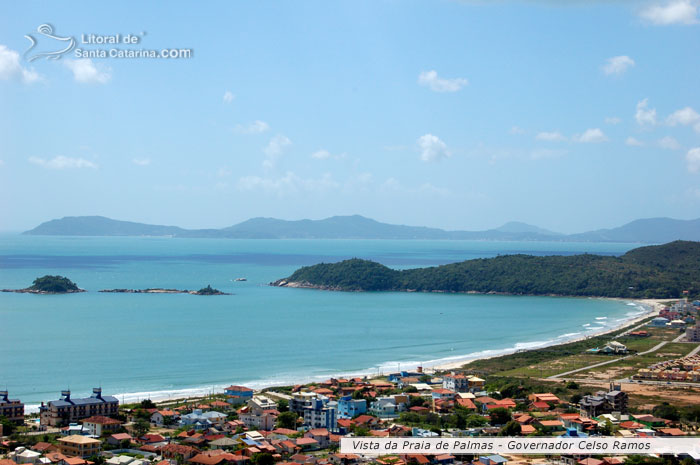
pixel 138 345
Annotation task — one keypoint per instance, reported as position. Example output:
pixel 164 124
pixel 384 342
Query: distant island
pixel 663 271
pixel 49 285
pixel 649 231
pixel 159 290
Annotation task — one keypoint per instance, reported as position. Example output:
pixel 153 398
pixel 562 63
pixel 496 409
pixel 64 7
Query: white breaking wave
pixel 385 367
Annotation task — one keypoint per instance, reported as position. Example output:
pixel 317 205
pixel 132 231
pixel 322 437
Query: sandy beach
pixel 653 307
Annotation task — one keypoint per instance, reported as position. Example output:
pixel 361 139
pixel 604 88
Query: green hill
pixel 663 271
pixel 53 285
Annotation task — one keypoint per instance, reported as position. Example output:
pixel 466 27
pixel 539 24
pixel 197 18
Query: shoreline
pixel 653 307
pixel 650 306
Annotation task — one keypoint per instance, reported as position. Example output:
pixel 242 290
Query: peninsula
pixel 660 271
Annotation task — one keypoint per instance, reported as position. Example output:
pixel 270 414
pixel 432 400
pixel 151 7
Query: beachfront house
pixel 238 395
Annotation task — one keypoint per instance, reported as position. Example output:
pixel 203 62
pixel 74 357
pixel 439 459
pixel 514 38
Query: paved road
pixel 694 351
pixel 607 362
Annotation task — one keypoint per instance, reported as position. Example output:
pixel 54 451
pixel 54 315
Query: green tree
pixel 264 458
pixel 147 403
pixel 141 427
pixel 499 416
pixel 512 428
pixel 287 420
pixel 361 431
pixel 8 427
pixel 666 411
pixel 282 406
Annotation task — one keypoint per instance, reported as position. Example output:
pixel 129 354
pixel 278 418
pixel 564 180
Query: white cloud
pixel 84 70
pixel 223 172
pixel 692 159
pixel 671 12
pixel 593 135
pixel 686 117
pixel 612 120
pixel 60 162
pixel 228 96
pixel 277 145
pixel 617 65
pixel 645 115
pixel 10 67
pixel 432 148
pixel 256 127
pixel 141 161
pixel 550 136
pixel 669 143
pixel 542 154
pixel 436 84
pixel 517 130
pixel 290 183
pixel 324 154
pixel 631 141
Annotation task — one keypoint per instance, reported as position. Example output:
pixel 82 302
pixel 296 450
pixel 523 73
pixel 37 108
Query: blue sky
pixel 461 115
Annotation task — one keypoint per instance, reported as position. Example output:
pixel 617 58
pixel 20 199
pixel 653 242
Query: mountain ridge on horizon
pixel 649 230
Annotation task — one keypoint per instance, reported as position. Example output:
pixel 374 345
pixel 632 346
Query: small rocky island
pixel 159 290
pixel 49 285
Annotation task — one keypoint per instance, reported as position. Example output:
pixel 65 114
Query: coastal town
pixel 303 424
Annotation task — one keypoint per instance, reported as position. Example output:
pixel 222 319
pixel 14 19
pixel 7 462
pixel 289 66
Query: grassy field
pixel 629 366
pixel 549 361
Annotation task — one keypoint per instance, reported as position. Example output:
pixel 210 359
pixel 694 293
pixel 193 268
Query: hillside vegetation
pixel 53 285
pixel 662 271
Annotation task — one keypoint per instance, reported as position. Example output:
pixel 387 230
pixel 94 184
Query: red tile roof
pixel 102 420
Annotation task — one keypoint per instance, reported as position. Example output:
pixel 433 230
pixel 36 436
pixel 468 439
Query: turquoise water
pixel 139 345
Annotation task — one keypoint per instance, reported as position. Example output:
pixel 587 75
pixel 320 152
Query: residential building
pixel 12 409
pixel 238 395
pixel 350 408
pixel 320 435
pixel 165 417
pixel 692 334
pixel 98 425
pixel 476 384
pixel 79 446
pixel 385 407
pixel 615 400
pixel 119 439
pixel 66 410
pixel 202 420
pixel 260 413
pixel 659 321
pixel 301 400
pixel 456 382
pixel 614 347
pixel 318 412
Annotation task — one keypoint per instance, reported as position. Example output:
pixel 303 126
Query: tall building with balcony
pixel 12 409
pixel 67 410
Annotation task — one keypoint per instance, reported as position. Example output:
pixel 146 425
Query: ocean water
pixel 160 346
